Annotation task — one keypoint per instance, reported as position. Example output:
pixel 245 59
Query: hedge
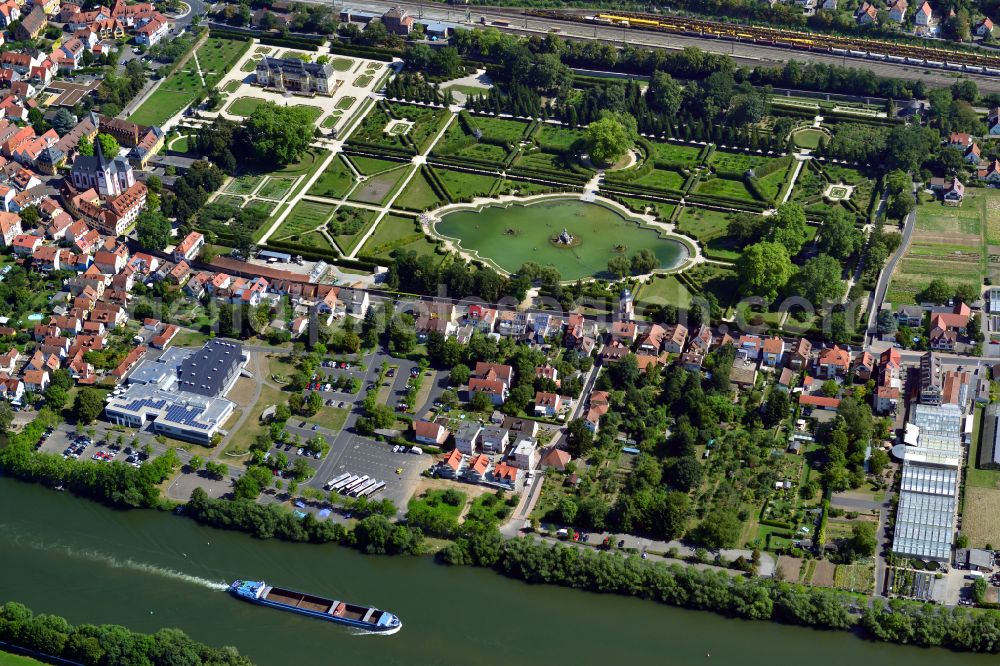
pixel 369 52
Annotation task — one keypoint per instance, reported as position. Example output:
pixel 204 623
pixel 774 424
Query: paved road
pixel 882 287
pixel 750 54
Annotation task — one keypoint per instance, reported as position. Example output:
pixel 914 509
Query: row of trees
pixel 115 483
pixel 97 645
pixel 750 598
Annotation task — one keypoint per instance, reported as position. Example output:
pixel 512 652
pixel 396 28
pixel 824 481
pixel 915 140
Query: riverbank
pixel 93 564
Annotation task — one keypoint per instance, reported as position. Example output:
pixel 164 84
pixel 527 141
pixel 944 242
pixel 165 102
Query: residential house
pixel 429 432
pixel 819 401
pixel 355 301
pixel 598 406
pixel 467 438
pixel 897 11
pixel 693 359
pixel 556 459
pixel 786 380
pixel 833 362
pixel 931 384
pixel 675 339
pixel 774 351
pixel 864 366
pixel 505 475
pixel 9 360
pixel 651 342
pixel 397 21
pixel 452 465
pixel 924 15
pixel 983 28
pixel 520 427
pixel 800 354
pixel 26 244
pixel 10 226
pixel 189 248
pixel 31 25
pixel 494 439
pixel 482 318
pixel 624 332
pixel 477 469
pixel 35 381
pixel 911 316
pixel 522 454
pixel 547 404
pixel 613 352
pixel 867 14
pixel 954 193
pixel 749 347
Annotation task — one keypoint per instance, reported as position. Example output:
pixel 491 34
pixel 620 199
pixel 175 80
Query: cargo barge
pixel 360 617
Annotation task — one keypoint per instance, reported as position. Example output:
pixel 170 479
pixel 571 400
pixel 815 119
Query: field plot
pixel 855 578
pixel 275 188
pixel 661 179
pixel 244 184
pixel 306 216
pixel 981 519
pixel 419 194
pixel 369 166
pixel 349 224
pixel 947 243
pixel 376 189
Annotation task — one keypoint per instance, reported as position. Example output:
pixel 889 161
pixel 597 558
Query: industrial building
pixel 181 392
pixel 928 495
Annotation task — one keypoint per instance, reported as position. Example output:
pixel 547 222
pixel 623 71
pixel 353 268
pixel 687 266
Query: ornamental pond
pixel 510 235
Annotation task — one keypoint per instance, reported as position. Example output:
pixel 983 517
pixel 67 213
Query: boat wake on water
pixel 115 563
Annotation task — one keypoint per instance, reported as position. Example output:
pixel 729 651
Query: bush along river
pixel 147 570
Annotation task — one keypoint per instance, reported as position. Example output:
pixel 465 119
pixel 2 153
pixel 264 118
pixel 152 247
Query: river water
pixel 147 570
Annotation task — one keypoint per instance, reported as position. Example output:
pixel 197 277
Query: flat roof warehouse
pixel 181 392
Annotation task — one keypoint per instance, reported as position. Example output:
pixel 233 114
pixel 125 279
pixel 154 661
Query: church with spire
pixel 108 177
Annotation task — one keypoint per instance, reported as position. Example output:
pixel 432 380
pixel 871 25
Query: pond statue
pixel 565 238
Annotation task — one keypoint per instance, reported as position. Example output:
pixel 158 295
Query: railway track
pixel 849 47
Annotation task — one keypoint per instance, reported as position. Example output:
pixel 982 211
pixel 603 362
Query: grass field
pixel 662 179
pixel 558 138
pixel 342 64
pixel 809 138
pixel 232 86
pixel 948 243
pixel 8 659
pixel 710 228
pixel 419 194
pixel 344 103
pixel 335 182
pixel 676 153
pixel 396 232
pixel 370 166
pixel 215 57
pixel 738 162
pixel 662 290
pixel 463 185
pixel 724 187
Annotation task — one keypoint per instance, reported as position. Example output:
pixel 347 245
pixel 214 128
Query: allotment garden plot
pixel 947 243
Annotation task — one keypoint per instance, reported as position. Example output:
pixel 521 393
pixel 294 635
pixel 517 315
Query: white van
pixel 417 450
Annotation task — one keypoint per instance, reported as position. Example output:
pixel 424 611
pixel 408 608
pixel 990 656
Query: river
pixel 147 570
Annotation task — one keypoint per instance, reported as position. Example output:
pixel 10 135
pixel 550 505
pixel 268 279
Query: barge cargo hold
pixel 360 617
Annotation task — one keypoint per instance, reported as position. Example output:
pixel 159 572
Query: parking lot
pixel 399 471
pixel 84 447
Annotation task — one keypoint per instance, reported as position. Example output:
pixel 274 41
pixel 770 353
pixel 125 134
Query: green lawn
pixel 216 56
pixel 463 185
pixel 419 194
pixel 342 64
pixel 558 138
pixel 724 187
pixel 331 418
pixel 344 103
pixel 710 228
pixel 335 181
pixel 809 138
pixel 232 86
pixel 396 232
pixel 466 90
pixel 433 501
pixel 676 153
pixel 8 659
pixel 363 81
pixel 370 166
pixel 161 106
pixel 660 179
pixel 736 162
pixel 663 290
